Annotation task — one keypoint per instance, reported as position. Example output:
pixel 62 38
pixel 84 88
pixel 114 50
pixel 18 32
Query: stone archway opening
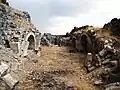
pixel 74 42
pixel 84 43
pixel 31 41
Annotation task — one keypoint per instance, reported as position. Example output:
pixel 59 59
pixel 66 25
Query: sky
pixel 60 16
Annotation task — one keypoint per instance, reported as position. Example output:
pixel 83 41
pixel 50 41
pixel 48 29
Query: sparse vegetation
pixel 62 66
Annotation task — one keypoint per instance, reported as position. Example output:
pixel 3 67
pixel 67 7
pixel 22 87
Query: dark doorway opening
pixel 31 42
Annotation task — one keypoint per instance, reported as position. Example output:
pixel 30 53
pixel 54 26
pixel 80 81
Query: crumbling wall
pixel 86 41
pixel 16 28
pixel 102 53
pixel 60 40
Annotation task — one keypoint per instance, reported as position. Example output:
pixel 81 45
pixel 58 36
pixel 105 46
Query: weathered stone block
pixel 10 81
pixel 15 46
pixel 3 85
pixel 103 52
pixel 38 37
pixel 99 82
pixel 4 69
pixel 89 57
pixel 39 53
pixel 91 68
pixel 25 48
pixel 99 59
pixel 113 88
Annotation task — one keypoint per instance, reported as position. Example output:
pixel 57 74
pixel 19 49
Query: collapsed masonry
pixel 61 40
pixel 113 26
pixel 18 37
pixel 17 32
pixel 84 39
pixel 48 39
pixel 102 55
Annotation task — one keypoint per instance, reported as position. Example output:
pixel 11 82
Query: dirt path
pixel 56 69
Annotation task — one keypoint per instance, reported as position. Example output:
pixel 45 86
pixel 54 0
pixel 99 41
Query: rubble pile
pixel 16 30
pixel 86 41
pixel 108 64
pixel 49 39
pixel 9 63
pixel 11 66
pixel 114 26
pixel 64 41
pixel 102 56
pixel 49 80
pixel 18 37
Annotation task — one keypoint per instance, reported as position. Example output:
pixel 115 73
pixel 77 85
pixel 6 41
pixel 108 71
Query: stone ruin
pixel 84 40
pixel 47 39
pixel 18 37
pixel 102 53
pixel 113 26
pixel 61 40
pixel 17 32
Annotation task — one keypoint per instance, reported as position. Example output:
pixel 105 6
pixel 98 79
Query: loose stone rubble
pixel 18 37
pixel 48 39
pixel 19 41
pixel 50 80
pixel 102 54
pixel 113 26
pixel 11 82
pixel 6 72
pixel 4 69
pixel 60 40
pixel 17 31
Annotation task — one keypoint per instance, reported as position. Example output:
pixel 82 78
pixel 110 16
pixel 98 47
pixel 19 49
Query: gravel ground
pixel 56 69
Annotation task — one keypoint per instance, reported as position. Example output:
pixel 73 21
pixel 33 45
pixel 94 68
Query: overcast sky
pixel 60 16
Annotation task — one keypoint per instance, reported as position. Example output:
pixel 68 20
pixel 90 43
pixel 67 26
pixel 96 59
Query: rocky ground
pixel 15 66
pixel 56 69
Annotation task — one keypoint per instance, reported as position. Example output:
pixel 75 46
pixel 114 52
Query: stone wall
pixel 102 54
pixel 16 28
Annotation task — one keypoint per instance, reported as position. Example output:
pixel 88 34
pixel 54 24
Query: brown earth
pixel 56 69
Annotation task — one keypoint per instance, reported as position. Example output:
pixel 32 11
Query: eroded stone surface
pixel 4 69
pixel 10 81
pixel 16 29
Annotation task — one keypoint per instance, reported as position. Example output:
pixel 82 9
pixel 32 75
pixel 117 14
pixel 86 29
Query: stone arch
pixel 32 40
pixel 29 43
pixel 86 43
pixel 74 42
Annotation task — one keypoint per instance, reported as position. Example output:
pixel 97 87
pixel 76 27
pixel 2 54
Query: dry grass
pixel 59 58
pixel 97 29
